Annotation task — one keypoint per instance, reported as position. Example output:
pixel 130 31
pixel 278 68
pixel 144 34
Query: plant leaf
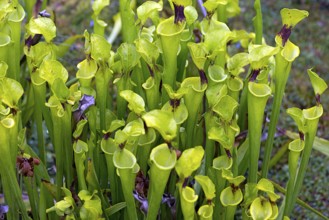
pixel 148 50
pixel 189 161
pixel 318 84
pixel 291 17
pixel 207 185
pixel 222 162
pixel 145 10
pixel 198 53
pixel 231 197
pixel 44 26
pixel 3 69
pixel 100 48
pixel 60 90
pixel 124 159
pixel 260 209
pixel 163 122
pixel 10 92
pixel 98 6
pixel 259 55
pixel 129 56
pixel 226 108
pixel 191 14
pixel 135 101
pixel 206 212
pixel 115 208
pixel 290 51
pixel 236 63
pixel 51 70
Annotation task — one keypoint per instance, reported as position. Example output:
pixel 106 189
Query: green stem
pixel 243 109
pixel 143 153
pixel 221 13
pixel 102 77
pixel 108 147
pixel 28 103
pixel 4 48
pixel 244 155
pixel 9 200
pixel 138 77
pixel 122 84
pixel 230 212
pixel 14 21
pixel 309 139
pixel 13 194
pixel 17 206
pixel 258 22
pixel 191 124
pixel 257 98
pixel 219 209
pixel 13 134
pixel 293 169
pixel 114 180
pixel 44 4
pixel 79 160
pixel 98 28
pixel 281 76
pixel 187 199
pixel 29 4
pixel 170 35
pixel 115 29
pixel 42 203
pixel 235 165
pixel 280 153
pixel 129 30
pixel 151 87
pixel 67 144
pixel 127 178
pixel 58 146
pixel 210 144
pixel 39 92
pixel 93 184
pixel 31 189
pixel 235 85
pixel 103 178
pixel 183 54
pixel 163 161
pixel 193 100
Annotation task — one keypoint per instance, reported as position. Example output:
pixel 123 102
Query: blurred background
pixel 311 35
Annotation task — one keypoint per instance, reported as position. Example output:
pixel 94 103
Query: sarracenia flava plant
pixel 166 125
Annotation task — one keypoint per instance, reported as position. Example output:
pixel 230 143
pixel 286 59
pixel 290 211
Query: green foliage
pixel 152 122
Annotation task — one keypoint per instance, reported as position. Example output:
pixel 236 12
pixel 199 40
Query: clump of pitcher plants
pixel 168 125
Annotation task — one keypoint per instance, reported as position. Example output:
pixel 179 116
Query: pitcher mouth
pixel 125 156
pixel 313 113
pixel 169 28
pixel 4 40
pixel 163 157
pixel 259 90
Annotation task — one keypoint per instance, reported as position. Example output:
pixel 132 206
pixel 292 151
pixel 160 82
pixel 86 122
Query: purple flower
pixel 84 103
pixel 170 200
pixel 3 210
pixel 144 205
pixel 44 13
